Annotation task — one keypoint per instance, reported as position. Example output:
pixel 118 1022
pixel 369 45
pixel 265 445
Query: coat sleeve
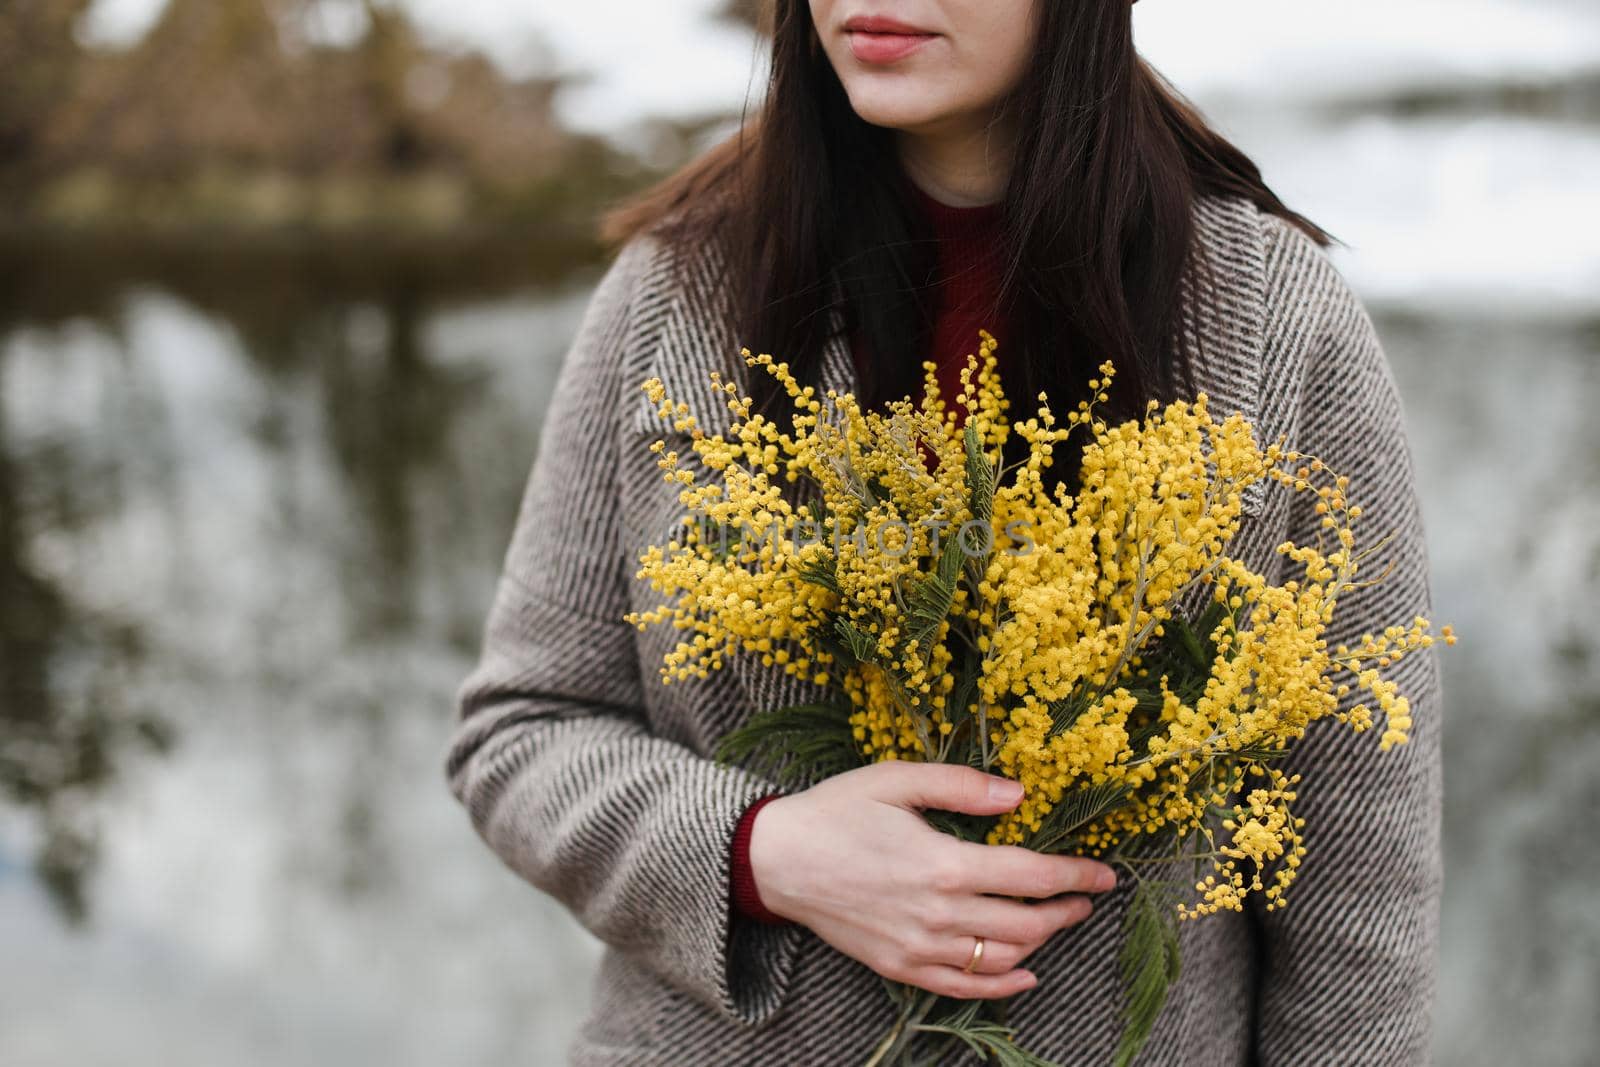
pixel 1349 963
pixel 552 755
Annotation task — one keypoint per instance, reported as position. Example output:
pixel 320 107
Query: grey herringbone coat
pixel 592 780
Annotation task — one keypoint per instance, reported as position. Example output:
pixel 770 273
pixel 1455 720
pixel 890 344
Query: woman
pixel 1007 163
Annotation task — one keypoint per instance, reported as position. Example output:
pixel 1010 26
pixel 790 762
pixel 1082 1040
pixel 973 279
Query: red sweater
pixel 968 290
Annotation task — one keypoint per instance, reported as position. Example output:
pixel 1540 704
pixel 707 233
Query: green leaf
pixel 985 1037
pixel 960 825
pixel 1064 713
pixel 929 600
pixel 862 646
pixel 821 573
pixel 794 746
pixel 980 476
pixel 1077 809
pixel 1258 753
pixel 1190 643
pixel 1150 963
pixel 966 687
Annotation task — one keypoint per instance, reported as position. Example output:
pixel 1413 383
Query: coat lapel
pixel 1225 315
pixel 694 341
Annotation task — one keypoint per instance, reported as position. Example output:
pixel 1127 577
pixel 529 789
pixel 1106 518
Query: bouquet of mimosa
pixel 1097 643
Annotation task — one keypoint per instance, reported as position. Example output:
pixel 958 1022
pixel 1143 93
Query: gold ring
pixel 977 954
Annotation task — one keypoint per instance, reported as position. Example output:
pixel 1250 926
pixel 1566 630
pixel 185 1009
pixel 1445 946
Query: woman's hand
pixel 851 859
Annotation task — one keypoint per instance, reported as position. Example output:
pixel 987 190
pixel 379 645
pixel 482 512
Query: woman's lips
pixel 871 47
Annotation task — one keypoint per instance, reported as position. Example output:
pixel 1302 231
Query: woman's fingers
pixel 946 786
pixel 1010 932
pixel 954 982
pixel 998 957
pixel 1009 920
pixel 1010 871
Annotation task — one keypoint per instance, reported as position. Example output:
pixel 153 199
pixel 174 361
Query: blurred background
pixel 284 285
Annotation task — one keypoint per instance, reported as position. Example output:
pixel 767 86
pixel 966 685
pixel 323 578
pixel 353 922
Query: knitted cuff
pixel 746 900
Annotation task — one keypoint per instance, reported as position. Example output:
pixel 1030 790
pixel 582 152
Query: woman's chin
pixel 897 111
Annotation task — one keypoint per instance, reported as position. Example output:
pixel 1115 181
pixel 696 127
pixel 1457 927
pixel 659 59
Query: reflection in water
pixel 245 494
pixel 67 706
pixel 64 711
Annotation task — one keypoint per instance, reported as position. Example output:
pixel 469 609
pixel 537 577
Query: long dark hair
pixel 807 203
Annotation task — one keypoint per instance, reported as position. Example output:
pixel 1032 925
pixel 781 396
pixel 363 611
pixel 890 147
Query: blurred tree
pixel 263 111
pixel 749 12
pixel 39 63
pixel 242 82
pixel 389 53
pixel 209 82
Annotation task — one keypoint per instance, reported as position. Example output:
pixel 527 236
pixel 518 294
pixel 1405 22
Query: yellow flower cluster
pixel 964 612
pixel 1262 832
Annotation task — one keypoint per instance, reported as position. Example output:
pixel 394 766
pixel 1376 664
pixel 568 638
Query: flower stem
pixel 917 1005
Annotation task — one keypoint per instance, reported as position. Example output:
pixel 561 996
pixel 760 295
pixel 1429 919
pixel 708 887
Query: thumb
pixel 945 786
